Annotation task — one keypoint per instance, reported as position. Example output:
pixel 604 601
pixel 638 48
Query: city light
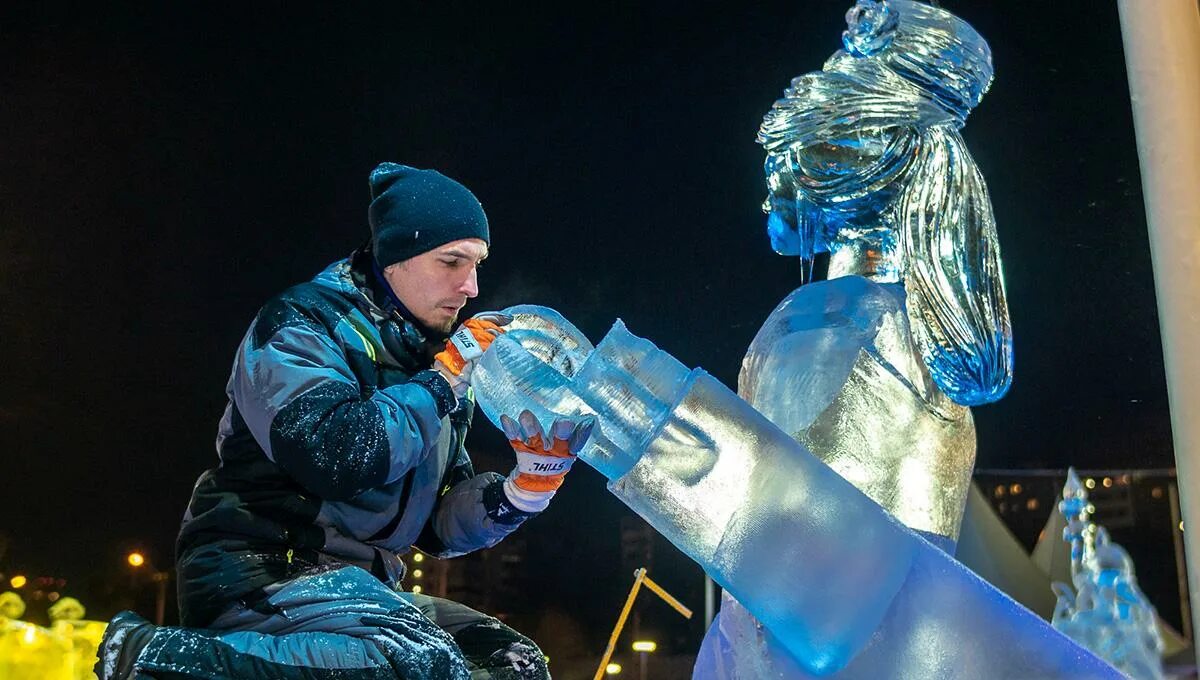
pixel 644 646
pixel 417 573
pixel 1015 489
pixel 18 581
pixel 418 558
pixel 612 669
pixel 136 559
pixel 1089 483
pixel 1107 482
pixel 417 589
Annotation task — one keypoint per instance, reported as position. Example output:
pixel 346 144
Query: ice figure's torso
pixel 835 367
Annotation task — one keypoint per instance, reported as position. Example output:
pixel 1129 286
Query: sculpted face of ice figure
pixel 864 160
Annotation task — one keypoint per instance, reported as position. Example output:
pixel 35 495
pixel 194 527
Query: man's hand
pixel 465 346
pixel 543 460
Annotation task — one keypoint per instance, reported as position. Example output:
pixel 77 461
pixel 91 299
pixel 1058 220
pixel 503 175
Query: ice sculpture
pixel 840 584
pixel 12 607
pixel 1106 612
pixel 66 621
pixel 874 369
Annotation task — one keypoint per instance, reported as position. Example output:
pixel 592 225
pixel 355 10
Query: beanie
pixel 414 211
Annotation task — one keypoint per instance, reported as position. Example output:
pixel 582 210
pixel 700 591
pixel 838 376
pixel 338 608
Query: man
pixel 342 447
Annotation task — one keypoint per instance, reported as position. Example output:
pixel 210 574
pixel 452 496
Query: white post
pixel 1162 57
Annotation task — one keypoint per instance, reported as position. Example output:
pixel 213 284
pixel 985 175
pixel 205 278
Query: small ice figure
pixel 1106 611
pixel 12 607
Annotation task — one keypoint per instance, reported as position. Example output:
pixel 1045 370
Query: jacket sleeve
pixel 471 512
pixel 295 391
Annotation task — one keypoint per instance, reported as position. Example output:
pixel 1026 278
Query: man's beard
pixel 444 327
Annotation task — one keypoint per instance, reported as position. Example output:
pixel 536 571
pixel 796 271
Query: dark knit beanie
pixel 414 211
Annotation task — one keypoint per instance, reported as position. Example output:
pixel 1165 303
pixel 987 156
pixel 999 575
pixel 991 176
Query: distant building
pixel 491 580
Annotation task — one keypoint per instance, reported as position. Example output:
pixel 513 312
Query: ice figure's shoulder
pixel 844 301
pixel 805 350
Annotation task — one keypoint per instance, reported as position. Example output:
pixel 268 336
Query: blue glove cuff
pixel 499 508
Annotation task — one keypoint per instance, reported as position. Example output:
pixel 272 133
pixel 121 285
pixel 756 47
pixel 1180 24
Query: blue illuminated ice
pixel 839 583
pixel 1106 612
pixel 865 161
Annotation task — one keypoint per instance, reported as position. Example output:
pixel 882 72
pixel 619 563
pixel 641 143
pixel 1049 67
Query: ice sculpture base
pixel 945 622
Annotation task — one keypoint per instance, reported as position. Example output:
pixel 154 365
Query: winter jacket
pixel 338 445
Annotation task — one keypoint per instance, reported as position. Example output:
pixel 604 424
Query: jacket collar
pixel 409 341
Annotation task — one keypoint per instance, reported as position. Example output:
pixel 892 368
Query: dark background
pixel 163 171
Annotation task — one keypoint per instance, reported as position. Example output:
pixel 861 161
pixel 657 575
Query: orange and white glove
pixel 543 460
pixel 465 346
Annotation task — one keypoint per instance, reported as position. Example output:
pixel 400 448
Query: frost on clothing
pixel 340 623
pixel 338 445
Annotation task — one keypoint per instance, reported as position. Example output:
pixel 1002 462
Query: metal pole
pixel 1185 612
pixel 643 663
pixel 638 577
pixel 710 601
pixel 666 597
pixel 160 599
pixel 1162 59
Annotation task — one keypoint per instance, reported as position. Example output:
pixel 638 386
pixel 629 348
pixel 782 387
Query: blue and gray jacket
pixel 338 445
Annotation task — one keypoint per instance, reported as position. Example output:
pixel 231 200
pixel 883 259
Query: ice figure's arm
pixel 833 577
pixel 293 387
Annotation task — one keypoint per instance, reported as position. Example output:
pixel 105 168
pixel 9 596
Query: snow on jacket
pixel 338 445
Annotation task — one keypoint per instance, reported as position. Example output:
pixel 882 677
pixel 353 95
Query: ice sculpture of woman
pixel 874 369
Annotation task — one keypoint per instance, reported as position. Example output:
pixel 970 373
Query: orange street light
pixel 137 560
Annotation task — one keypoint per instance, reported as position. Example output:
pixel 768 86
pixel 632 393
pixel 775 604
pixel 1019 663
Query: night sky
pixel 165 171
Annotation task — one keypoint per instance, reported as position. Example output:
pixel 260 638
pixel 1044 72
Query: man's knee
pixel 502 652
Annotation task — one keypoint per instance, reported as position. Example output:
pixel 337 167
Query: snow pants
pixel 344 623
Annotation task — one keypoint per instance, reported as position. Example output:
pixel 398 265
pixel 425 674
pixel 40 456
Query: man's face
pixel 435 285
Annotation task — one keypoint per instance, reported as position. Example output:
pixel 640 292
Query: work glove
pixel 542 460
pixel 465 346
